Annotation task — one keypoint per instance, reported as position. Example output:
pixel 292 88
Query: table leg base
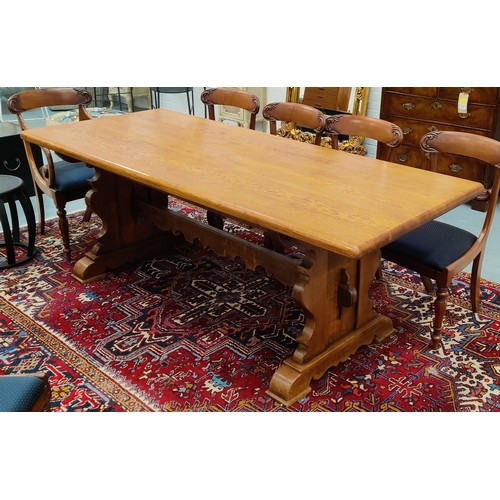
pixel 92 267
pixel 292 380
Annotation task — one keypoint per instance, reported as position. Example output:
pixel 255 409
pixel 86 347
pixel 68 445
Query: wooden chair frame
pixel 364 126
pixel 299 114
pixel 223 96
pixel 473 146
pixel 44 178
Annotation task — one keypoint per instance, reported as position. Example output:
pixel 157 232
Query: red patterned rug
pixel 191 331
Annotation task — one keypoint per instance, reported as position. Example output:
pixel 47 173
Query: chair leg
pixel 41 209
pixel 215 220
pixel 87 214
pixel 439 311
pixel 428 285
pixel 475 290
pixel 64 228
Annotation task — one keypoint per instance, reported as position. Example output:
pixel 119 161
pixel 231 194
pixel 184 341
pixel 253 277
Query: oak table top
pixel 341 202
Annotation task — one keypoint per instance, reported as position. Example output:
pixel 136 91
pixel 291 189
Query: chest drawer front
pixel 438 110
pixel 411 156
pixel 421 91
pixel 477 95
pixel 457 166
pixel 414 130
pixel 332 98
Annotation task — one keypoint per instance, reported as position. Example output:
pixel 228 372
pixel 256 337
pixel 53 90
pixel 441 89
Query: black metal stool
pixel 189 91
pixel 12 189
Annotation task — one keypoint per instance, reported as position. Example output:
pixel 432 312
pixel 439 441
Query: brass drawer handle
pixel 403 158
pixel 407 130
pixel 408 106
pixel 433 128
pixel 455 168
pixel 464 115
pixel 12 169
pixel 467 90
pixel 436 105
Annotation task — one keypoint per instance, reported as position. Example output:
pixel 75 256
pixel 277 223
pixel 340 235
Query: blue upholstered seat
pixel 434 244
pixel 19 393
pixel 70 176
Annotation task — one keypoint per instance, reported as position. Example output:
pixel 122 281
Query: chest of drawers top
pixel 440 105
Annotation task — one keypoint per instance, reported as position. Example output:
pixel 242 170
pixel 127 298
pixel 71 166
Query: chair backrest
pixel 473 146
pixel 300 114
pixel 39 98
pixel 224 96
pixel 363 126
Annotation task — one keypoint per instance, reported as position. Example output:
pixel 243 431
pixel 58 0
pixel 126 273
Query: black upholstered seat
pixel 70 176
pixel 435 244
pixel 21 393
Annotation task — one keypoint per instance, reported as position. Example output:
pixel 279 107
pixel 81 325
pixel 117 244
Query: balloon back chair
pixel 61 180
pixel 438 251
pixel 237 98
pixel 301 115
pixel 363 126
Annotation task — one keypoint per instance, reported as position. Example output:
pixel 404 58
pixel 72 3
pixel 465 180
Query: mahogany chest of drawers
pixel 418 110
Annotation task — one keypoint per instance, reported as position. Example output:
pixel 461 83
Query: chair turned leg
pixel 215 220
pixel 439 311
pixel 87 214
pixel 64 228
pixel 41 209
pixel 428 285
pixel 272 241
pixel 475 290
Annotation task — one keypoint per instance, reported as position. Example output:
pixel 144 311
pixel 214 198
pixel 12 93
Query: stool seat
pixel 17 251
pixel 9 184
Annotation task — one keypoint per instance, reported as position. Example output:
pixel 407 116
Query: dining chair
pixel 438 251
pixel 301 115
pixel 224 96
pixel 363 126
pixel 61 180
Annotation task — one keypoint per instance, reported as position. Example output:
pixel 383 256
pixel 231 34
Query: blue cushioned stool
pixel 24 393
pixel 12 190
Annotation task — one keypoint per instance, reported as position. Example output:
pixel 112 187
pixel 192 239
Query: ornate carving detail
pixel 85 94
pixel 205 96
pixel 330 122
pixel 427 139
pixel 353 145
pixel 13 104
pixel 256 105
pixel 398 136
pixel 268 109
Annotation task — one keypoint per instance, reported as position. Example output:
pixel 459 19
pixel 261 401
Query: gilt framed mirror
pixel 330 101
